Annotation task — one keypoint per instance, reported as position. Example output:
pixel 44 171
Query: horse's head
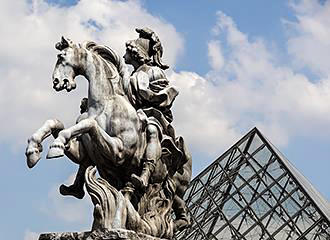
pixel 67 65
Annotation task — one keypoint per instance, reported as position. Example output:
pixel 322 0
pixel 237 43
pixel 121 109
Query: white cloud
pixel 27 55
pixel 67 208
pixel 309 41
pixel 28 235
pixel 215 55
pixel 199 115
pixel 250 89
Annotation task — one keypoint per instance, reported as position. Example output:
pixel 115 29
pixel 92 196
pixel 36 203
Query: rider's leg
pixel 77 188
pixel 77 153
pixel 152 155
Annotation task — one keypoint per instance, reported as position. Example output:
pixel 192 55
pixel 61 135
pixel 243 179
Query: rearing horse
pixel 111 130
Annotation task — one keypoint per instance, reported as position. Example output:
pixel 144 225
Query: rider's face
pixel 128 57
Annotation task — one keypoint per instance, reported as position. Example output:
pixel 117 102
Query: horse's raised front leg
pixel 34 147
pixel 111 146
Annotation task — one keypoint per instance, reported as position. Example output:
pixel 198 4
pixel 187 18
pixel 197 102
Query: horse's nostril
pixel 66 83
pixel 56 81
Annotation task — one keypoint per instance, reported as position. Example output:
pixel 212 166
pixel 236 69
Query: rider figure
pixel 149 90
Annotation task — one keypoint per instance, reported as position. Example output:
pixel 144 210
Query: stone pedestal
pixel 113 234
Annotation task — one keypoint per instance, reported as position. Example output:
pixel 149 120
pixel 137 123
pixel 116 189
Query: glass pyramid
pixel 253 192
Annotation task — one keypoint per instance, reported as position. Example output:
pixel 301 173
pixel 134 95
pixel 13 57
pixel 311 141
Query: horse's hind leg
pixel 34 147
pixel 111 146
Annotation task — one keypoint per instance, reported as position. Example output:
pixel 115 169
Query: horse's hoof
pixel 32 157
pixel 55 151
pixel 72 191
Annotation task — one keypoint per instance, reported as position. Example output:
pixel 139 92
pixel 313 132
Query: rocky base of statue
pixel 114 211
pixel 104 234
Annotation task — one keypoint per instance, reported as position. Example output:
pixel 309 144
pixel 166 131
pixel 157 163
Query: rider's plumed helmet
pixel 147 49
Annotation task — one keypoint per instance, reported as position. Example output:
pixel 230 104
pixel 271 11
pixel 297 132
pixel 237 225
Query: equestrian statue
pixel 123 132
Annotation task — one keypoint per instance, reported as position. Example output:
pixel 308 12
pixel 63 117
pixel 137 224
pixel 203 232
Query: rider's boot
pixel 142 181
pixel 77 188
pixel 72 190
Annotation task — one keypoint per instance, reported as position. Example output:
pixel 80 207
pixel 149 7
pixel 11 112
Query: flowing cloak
pixel 152 96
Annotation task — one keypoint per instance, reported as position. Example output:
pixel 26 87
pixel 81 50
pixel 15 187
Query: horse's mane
pixel 109 55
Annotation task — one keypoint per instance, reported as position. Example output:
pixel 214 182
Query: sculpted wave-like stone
pixel 112 210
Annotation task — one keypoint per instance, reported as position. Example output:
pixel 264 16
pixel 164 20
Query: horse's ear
pixel 64 43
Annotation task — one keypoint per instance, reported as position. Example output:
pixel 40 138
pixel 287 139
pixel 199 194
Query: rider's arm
pixel 142 81
pixel 160 94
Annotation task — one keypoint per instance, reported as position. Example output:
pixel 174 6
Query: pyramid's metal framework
pixel 253 192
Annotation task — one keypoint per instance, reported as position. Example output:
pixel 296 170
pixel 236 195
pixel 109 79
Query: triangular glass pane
pixel 205 225
pixel 214 171
pixel 220 222
pixel 263 156
pixel 303 222
pixel 260 207
pixel 224 161
pixel 238 181
pixel 199 235
pixel 246 172
pixel 247 193
pixel 243 144
pixel 275 221
pixel 225 234
pixel 275 170
pixel 205 177
pixel 260 187
pixel 254 165
pixel 239 199
pixel 255 144
pixel 234 160
pixel 241 223
pixel 314 233
pixel 216 176
pixel 277 192
pixel 290 207
pixel 199 212
pixel 230 209
pixel 255 233
pixel 312 213
pixel 299 198
pixel 187 193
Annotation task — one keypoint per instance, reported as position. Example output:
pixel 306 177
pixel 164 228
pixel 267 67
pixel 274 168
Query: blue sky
pixel 237 64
